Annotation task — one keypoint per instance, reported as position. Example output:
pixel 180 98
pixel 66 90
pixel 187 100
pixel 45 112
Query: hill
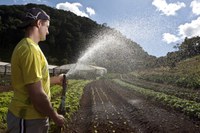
pixel 70 36
pixel 185 73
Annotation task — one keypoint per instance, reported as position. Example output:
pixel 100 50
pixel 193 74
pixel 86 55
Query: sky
pixel 156 25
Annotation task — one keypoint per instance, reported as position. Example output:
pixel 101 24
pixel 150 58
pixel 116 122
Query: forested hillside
pixel 180 68
pixel 68 33
pixel 69 37
pixel 190 47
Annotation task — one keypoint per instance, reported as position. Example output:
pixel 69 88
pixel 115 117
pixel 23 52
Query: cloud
pixel 168 9
pixel 170 38
pixel 75 8
pixel 190 29
pixel 195 5
pixel 90 11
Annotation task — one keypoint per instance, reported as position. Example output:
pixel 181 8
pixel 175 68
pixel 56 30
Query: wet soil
pixel 106 107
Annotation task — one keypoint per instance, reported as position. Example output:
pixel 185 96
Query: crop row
pixel 73 96
pixel 104 110
pixel 189 107
pixel 74 93
pixel 5 98
pixel 190 80
pixel 188 94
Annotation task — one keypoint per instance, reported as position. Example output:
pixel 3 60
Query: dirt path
pixel 109 108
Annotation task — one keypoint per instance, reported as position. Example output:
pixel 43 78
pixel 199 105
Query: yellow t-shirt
pixel 28 65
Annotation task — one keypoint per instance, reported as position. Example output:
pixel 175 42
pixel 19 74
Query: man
pixel 30 107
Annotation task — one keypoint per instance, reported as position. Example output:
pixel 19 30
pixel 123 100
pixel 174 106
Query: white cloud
pixel 170 38
pixel 168 9
pixel 90 11
pixel 195 5
pixel 190 29
pixel 73 7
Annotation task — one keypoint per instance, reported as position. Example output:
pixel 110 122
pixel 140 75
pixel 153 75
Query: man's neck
pixel 32 34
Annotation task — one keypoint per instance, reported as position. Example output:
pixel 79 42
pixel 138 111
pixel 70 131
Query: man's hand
pixel 59 120
pixel 57 80
pixel 60 79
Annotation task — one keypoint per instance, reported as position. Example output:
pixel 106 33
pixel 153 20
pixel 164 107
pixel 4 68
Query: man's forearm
pixel 40 100
pixel 43 105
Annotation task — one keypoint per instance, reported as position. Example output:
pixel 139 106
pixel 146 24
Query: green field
pixel 186 73
pixel 73 96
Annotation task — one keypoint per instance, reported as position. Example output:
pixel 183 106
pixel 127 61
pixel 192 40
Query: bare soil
pixel 109 108
pixel 106 107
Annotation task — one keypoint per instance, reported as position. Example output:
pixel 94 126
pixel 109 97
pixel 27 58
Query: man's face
pixel 44 29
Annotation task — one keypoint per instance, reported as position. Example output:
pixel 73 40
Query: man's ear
pixel 38 23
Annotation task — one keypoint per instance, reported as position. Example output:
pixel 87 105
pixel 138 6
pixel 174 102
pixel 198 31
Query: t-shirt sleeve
pixel 31 66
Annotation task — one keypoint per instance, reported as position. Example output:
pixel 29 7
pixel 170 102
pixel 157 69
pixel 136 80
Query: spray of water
pixel 71 70
pixel 148 30
pixel 111 50
pixel 100 45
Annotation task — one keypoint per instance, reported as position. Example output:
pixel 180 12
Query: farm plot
pixel 107 107
pixel 184 93
pixel 74 93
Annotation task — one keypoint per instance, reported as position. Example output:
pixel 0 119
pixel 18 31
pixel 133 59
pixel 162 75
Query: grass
pixel 185 74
